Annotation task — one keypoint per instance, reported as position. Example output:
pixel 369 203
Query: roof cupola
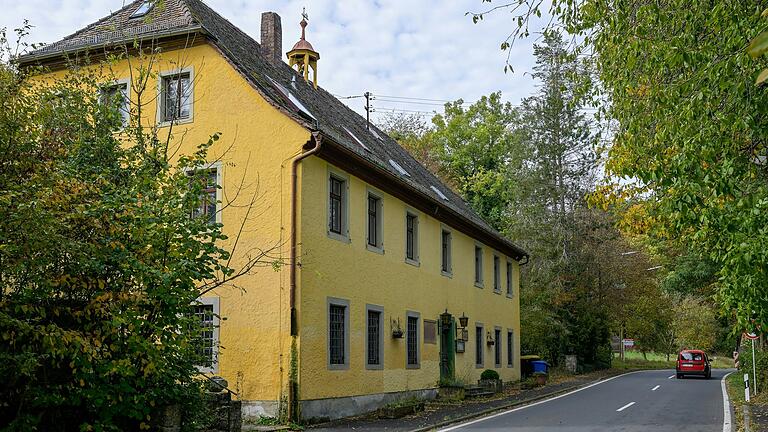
pixel 303 56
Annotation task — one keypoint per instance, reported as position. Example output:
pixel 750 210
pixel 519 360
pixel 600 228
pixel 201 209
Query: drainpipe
pixel 317 139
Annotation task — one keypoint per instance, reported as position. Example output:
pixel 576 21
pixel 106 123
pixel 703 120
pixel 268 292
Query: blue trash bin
pixel 540 366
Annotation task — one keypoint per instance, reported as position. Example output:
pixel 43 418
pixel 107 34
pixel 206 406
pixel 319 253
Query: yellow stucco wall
pixel 256 145
pixel 349 271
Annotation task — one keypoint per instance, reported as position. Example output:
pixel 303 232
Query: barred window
pixel 374 335
pixel 509 278
pixel 497 352
pixel 374 221
pixel 413 341
pixel 496 274
pixel 115 97
pixel 176 97
pixel 336 206
pixel 510 348
pixel 205 340
pixel 411 224
pixel 336 336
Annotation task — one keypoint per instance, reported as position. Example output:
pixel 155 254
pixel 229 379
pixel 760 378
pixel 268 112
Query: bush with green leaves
pixel 100 262
pixel 489 374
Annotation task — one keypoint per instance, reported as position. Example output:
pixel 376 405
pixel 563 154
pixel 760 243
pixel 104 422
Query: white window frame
pixel 337 302
pixel 416 260
pixel 219 182
pixel 379 246
pixel 161 121
pixel 449 271
pixel 340 175
pixel 212 301
pixel 479 278
pixel 127 108
pixel 380 310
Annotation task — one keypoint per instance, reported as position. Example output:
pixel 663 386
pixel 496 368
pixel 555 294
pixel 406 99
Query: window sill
pixel 446 274
pixel 479 285
pixel 510 366
pixel 412 262
pixel 375 249
pixel 374 367
pixel 163 124
pixel 479 366
pixel 510 296
pixel 416 366
pixel 497 292
pixel 338 367
pixel 339 237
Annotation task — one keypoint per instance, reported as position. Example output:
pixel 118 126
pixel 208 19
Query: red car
pixel 693 362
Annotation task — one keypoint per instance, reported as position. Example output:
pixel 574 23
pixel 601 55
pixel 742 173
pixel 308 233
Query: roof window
pixel 439 193
pixel 399 168
pixel 376 134
pixel 291 98
pixel 143 9
pixel 356 138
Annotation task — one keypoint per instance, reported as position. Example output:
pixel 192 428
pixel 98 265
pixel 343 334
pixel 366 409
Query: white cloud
pixel 420 48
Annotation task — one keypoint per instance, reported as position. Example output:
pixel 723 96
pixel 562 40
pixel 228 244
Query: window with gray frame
pixel 509 278
pixel 206 345
pixel 496 274
pixel 510 348
pixel 374 221
pixel 336 222
pixel 411 236
pixel 337 334
pixel 115 97
pixel 478 265
pixel 445 239
pixel 176 97
pixel 497 346
pixel 479 340
pixel 413 341
pixel 374 338
pixel 208 179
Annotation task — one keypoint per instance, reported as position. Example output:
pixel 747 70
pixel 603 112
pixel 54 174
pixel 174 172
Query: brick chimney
pixel 271 37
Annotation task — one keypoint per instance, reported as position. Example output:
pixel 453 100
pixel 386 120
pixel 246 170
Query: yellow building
pixel 378 263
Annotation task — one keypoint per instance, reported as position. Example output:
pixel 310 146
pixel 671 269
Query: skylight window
pixel 399 168
pixel 376 134
pixel 439 193
pixel 293 99
pixel 143 9
pixel 356 138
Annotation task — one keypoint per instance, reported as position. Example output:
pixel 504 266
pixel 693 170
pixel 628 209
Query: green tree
pixel 100 261
pixel 695 324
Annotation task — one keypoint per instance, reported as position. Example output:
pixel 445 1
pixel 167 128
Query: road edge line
pixel 517 407
pixel 727 423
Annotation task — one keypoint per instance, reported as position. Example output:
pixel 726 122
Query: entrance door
pixel 447 348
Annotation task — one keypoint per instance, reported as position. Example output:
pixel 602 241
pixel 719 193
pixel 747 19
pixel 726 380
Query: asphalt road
pixel 639 401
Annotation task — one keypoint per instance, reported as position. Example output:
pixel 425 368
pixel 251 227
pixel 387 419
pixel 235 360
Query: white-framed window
pixel 206 312
pixel 338 333
pixel 338 206
pixel 445 252
pixel 209 178
pixel 412 340
pixel 176 97
pixel 478 266
pixel 116 96
pixel 374 337
pixel 510 274
pixel 374 222
pixel 411 237
pixel 496 274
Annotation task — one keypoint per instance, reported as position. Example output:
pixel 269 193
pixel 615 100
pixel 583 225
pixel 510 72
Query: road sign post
pixel 746 387
pixel 752 336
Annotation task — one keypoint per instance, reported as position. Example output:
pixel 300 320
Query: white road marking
pixel 726 405
pixel 670 377
pixel 625 407
pixel 655 388
pixel 458 426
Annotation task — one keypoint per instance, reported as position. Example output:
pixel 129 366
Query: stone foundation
pixel 335 408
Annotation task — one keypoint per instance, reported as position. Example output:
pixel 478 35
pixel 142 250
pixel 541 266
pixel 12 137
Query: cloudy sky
pixel 423 49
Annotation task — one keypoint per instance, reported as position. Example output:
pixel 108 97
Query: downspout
pixel 292 381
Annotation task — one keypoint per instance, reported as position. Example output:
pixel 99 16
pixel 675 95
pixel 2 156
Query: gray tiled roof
pixel 329 115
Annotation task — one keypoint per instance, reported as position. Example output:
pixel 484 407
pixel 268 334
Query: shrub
pixel 761 363
pixel 489 374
